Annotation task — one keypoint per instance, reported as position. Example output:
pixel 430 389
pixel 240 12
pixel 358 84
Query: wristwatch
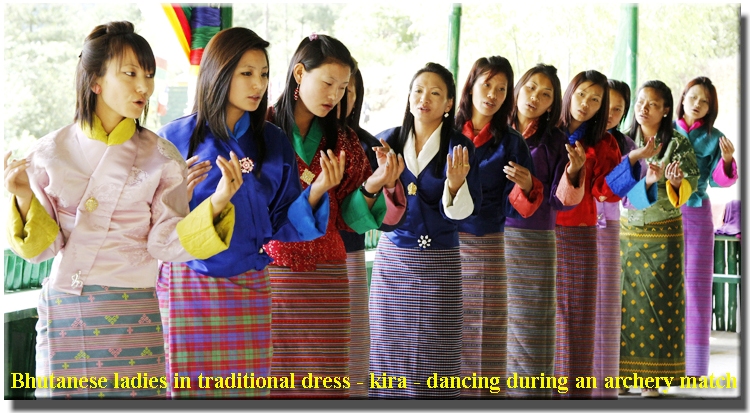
pixel 369 194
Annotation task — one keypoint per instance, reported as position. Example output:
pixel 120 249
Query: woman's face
pixel 649 108
pixel 586 101
pixel 321 89
pixel 125 89
pixel 351 95
pixel 535 97
pixel 487 95
pixel 695 104
pixel 428 99
pixel 249 83
pixel 616 109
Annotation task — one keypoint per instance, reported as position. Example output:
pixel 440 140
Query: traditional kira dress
pixel 415 295
pixel 311 327
pixel 699 243
pixel 217 312
pixel 107 207
pixel 531 258
pixel 482 248
pixel 651 250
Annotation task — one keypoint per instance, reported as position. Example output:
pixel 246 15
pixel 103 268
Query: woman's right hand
pixel 197 173
pixel 654 174
pixel 16 178
pixel 647 151
pixel 331 173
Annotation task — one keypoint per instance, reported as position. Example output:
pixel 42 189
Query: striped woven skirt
pixel 311 330
pixel 215 327
pixel 653 301
pixel 608 314
pixel 699 269
pixel 485 301
pixel 359 349
pixel 576 305
pixel 109 332
pixel 415 320
pixel 531 259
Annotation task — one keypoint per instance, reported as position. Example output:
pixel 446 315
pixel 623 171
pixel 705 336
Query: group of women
pixel 232 242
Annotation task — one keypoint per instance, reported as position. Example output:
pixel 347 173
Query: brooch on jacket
pixel 246 165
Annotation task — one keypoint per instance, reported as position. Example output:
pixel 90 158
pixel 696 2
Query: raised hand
pixel 390 167
pixel 332 172
pixel 647 151
pixel 197 173
pixel 229 184
pixel 674 174
pixel 520 176
pixel 16 178
pixel 654 174
pixel 577 157
pixel 727 150
pixel 458 167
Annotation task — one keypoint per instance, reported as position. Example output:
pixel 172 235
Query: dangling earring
pixel 445 115
pixel 296 92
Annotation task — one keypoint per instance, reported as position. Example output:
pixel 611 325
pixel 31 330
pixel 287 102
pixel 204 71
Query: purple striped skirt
pixel 608 313
pixel 359 349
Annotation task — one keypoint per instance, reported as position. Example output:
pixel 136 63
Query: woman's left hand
pixel 520 176
pixel 457 168
pixel 231 180
pixel 674 174
pixel 727 149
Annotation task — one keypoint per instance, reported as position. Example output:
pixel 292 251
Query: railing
pixel 727 278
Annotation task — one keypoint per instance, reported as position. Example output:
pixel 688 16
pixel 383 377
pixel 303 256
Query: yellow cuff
pixel 31 239
pixel 198 234
pixel 685 191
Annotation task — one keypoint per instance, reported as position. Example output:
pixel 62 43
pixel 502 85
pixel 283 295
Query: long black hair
pixel 597 125
pixel 624 90
pixel 491 66
pixel 546 123
pixel 713 101
pixel 219 61
pixel 665 126
pixel 448 122
pixel 313 52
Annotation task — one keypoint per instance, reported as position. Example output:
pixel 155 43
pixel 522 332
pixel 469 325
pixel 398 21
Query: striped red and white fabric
pixel 311 329
pixel 576 305
pixel 698 230
pixel 104 332
pixel 415 319
pixel 215 327
pixel 359 349
pixel 485 301
pixel 530 257
pixel 608 310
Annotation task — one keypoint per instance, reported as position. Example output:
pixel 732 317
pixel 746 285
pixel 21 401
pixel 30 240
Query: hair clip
pixel 313 36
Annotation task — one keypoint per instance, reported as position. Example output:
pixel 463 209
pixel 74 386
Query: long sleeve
pixel 395 201
pixel 607 158
pixel 567 193
pixel 32 238
pixel 527 205
pixel 719 176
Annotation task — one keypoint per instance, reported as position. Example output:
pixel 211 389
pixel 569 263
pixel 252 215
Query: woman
pixel 651 245
pixel 531 282
pixel 311 305
pixel 359 349
pixel 584 119
pixel 696 115
pixel 217 312
pixel 607 331
pixel 508 190
pixel 415 295
pixel 107 199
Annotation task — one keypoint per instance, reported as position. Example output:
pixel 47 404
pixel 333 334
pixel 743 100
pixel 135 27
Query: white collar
pixel 429 150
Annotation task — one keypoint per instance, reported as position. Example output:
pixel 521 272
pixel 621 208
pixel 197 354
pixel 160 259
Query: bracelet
pixel 367 193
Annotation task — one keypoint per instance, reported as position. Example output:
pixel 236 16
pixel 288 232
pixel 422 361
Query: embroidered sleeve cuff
pixel 31 239
pixel 639 197
pixel 198 234
pixel 359 216
pixel 677 200
pixel 622 179
pixel 567 193
pixel 720 177
pixel 395 202
pixel 459 207
pixel 309 223
pixel 526 206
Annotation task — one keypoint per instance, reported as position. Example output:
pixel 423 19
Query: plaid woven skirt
pixel 215 327
pixel 311 331
pixel 653 301
pixel 109 332
pixel 576 306
pixel 608 314
pixel 415 320
pixel 699 270
pixel 359 348
pixel 530 257
pixel 485 301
